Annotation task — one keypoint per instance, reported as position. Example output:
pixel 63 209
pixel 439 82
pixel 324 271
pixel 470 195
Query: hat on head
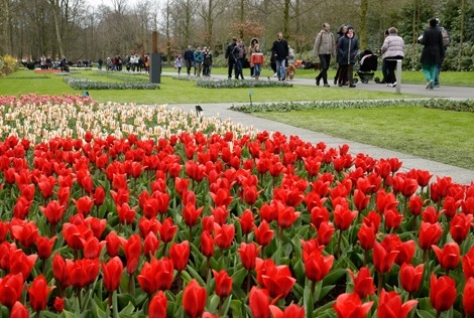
pixel 434 22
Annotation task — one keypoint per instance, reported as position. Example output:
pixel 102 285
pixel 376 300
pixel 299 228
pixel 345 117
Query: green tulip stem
pixel 52 228
pixel 109 302
pixel 130 283
pixel 79 298
pixel 366 257
pixel 313 289
pixel 338 251
pixel 208 267
pixel 190 233
pixel 248 282
pixel 221 303
pixel 380 284
pixel 438 314
pixel 38 314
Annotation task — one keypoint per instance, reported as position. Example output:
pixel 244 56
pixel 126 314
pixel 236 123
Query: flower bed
pixel 198 223
pixel 87 84
pixel 225 84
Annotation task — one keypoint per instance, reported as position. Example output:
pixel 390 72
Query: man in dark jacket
pixel 229 57
pixel 433 52
pixel 280 52
pixel 189 59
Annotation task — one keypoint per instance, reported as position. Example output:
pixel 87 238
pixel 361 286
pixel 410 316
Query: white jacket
pixel 393 46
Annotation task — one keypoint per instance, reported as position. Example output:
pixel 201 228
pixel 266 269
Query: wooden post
pixel 155 61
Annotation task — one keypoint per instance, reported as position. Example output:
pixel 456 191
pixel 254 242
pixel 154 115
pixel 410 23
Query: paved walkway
pixel 459 175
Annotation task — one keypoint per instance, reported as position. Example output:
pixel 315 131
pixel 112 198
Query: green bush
pixel 8 64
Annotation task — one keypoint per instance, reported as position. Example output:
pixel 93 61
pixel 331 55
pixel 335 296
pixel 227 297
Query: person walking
pixel 257 59
pixel 239 55
pixel 198 60
pixel 393 49
pixel 189 59
pixel 251 49
pixel 280 51
pixel 324 47
pixel 347 50
pixel 433 52
pixel 340 33
pixel 229 57
pixel 446 42
pixel 207 64
pixel 178 63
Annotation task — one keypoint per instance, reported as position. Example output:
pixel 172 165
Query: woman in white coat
pixel 393 49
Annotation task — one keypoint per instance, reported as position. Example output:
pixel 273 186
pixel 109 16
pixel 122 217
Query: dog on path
pixel 290 72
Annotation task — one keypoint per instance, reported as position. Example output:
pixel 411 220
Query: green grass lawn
pixel 177 92
pixel 442 136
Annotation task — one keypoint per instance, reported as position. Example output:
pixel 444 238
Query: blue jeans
pixel 257 68
pixel 281 69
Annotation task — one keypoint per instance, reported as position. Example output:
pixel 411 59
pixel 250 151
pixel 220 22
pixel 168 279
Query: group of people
pixel 132 62
pixel 200 60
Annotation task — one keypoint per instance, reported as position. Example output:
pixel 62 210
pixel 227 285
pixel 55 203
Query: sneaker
pixel 352 86
pixel 429 85
pixel 326 85
pixel 275 75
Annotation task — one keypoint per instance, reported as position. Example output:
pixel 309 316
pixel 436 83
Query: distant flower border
pixel 86 84
pixel 229 84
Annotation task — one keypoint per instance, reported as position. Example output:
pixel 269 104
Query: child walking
pixel 178 63
pixel 257 59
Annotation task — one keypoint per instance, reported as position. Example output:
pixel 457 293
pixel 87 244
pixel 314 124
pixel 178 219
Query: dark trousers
pixel 346 73
pixel 230 67
pixel 239 69
pixel 391 66
pixel 324 60
pixel 189 65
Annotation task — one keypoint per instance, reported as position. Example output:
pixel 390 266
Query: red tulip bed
pixel 235 224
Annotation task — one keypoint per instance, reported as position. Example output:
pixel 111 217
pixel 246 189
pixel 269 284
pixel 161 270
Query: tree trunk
pixel 286 20
pixel 364 6
pixel 57 26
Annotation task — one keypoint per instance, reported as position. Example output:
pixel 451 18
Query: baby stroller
pixel 367 64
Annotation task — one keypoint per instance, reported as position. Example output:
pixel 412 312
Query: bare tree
pixel 210 11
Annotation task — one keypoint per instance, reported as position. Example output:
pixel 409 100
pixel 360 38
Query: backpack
pixel 446 38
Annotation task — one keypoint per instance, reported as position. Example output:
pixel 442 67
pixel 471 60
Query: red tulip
pixel 99 196
pixel 286 216
pixel 4 226
pixel 126 214
pixel 449 257
pixel 75 236
pixel 278 281
pixel 220 214
pixel 150 244
pixel 360 200
pixel 406 251
pixel 44 246
pixel 191 214
pixel 246 221
pixel 113 242
pixel 21 263
pixel 60 270
pixel 224 235
pixel 53 212
pixel 350 306
pixel 268 212
pixel 366 236
pixel 84 205
pixel 58 304
pixel 158 306
pixel 416 205
pixel 385 201
pixel 46 186
pixel 363 283
pixel 319 215
pixel 468 264
pixel 168 230
pixel 410 277
pixel 390 305
pixel 316 265
pixel 442 292
pixel 221 197
pixel 38 293
pixel 149 225
pixel 19 311
pixel 468 298
pixel 22 207
pixel 133 250
pixel 343 217
pixel 292 311
pixel 112 273
pixel 92 248
pixel 259 302
pixel 250 194
pixel 325 233
pixel 147 277
pixel 383 260
pixel 11 287
pixel 23 231
pixel 223 283
pixel 179 255
pixel 460 226
pixel 194 299
pixel 430 215
pixel 82 272
pixel 207 244
pixel 248 255
pixel 429 234
pixel 263 234
pixel 393 218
